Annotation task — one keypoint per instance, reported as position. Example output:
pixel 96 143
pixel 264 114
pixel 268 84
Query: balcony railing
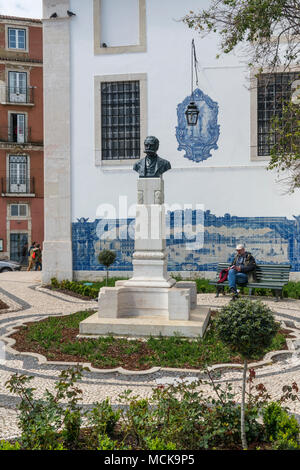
pixel 17 186
pixel 20 95
pixel 19 136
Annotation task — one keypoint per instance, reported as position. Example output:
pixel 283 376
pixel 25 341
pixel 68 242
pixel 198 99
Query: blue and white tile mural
pixel 199 140
pixel 270 239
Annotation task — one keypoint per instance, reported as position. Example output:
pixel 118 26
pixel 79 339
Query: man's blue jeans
pixel 235 277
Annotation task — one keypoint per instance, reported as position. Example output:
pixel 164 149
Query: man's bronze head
pixel 151 145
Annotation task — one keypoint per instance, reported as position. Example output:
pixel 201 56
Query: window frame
pixel 98 80
pixel 27 177
pixel 7 40
pixel 18 216
pixel 141 47
pixel 9 86
pixel 10 127
pixel 254 110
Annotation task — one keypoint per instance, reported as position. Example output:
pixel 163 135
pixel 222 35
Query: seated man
pixel 241 271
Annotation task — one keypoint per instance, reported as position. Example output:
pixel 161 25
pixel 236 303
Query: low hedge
pixel 290 290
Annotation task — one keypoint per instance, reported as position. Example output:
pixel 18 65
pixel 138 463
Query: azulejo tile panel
pixel 198 141
pixel 196 240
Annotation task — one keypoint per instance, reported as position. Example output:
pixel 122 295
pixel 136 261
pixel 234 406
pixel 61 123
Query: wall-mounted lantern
pixel 192 111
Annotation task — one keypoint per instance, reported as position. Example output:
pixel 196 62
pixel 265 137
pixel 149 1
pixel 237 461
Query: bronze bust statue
pixel 152 166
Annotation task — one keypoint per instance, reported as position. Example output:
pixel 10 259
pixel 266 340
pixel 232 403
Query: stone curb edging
pixel 63 296
pixel 268 359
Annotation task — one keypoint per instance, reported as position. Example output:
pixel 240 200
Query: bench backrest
pixel 268 272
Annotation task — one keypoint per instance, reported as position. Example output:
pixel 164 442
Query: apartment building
pixel 21 135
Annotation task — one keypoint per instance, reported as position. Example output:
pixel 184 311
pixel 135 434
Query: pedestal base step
pixel 147 326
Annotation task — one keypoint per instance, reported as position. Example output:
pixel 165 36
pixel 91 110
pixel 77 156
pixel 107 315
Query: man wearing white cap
pixel 241 271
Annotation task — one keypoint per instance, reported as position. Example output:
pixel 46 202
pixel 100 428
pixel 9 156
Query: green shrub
pixel 248 327
pixel 54 282
pixel 4 445
pixel 45 422
pixel 103 418
pixel 158 444
pixel 106 443
pixel 281 428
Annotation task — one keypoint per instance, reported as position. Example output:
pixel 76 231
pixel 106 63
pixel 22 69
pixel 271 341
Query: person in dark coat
pixel 241 271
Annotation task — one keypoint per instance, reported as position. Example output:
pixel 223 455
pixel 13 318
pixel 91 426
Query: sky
pixel 23 8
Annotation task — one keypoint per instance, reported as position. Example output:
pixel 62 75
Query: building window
pixel 18 210
pixel 120 118
pixel 273 90
pixel 17 87
pixel 17 38
pixel 16 130
pixel 113 35
pixel 18 174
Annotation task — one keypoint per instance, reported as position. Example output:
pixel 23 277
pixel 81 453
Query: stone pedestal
pixel 149 258
pixel 151 302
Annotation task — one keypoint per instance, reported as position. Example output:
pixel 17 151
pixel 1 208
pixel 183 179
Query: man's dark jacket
pixel 249 266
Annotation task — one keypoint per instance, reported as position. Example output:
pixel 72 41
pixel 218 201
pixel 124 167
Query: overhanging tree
pixel 261 24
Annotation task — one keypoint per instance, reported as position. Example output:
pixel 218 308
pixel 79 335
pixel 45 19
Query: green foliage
pixel 281 428
pixel 54 282
pixel 107 258
pixel 187 418
pixel 45 423
pixel 203 286
pixel 291 290
pixel 106 443
pixel 285 148
pixel 158 444
pixel 4 445
pixel 103 418
pixel 254 22
pixel 78 287
pixel 248 327
pixel 183 416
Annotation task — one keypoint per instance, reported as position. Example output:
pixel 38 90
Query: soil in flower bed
pixel 56 339
pixel 70 293
pixel 3 305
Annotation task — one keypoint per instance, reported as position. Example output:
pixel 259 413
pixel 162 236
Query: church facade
pixel 116 71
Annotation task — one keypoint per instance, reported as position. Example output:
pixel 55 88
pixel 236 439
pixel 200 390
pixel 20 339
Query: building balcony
pixel 11 187
pixel 17 96
pixel 18 137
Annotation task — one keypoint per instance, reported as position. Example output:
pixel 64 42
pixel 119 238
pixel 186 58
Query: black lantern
pixel 192 111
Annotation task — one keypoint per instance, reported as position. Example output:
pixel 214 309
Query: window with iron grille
pixel 273 91
pixel 120 120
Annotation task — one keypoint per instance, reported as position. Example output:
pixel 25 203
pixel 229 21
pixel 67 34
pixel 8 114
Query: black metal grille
pixel 120 117
pixel 273 91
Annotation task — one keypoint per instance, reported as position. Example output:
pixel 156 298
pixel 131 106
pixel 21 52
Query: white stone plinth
pixel 146 326
pixel 149 258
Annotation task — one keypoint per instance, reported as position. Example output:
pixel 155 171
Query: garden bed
pixel 3 306
pixel 56 339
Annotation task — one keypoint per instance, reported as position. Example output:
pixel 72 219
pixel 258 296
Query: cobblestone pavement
pixel 29 301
